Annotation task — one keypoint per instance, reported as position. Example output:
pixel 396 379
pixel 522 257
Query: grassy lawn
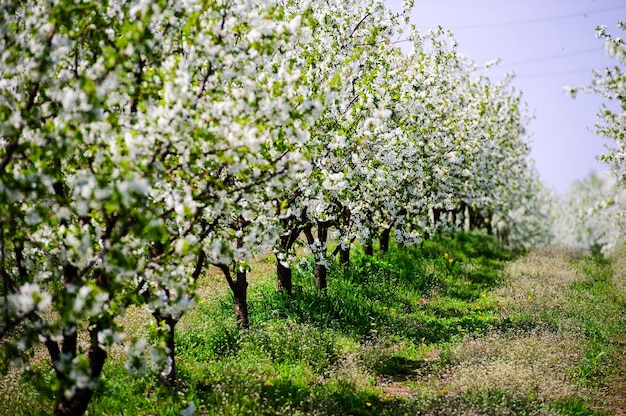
pixel 459 325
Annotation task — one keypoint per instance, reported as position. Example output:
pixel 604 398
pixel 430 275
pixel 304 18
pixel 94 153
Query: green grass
pixel 598 310
pixel 410 331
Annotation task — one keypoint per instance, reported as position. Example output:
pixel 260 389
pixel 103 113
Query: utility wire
pixel 556 73
pixel 539 20
pixel 533 60
pixel 551 57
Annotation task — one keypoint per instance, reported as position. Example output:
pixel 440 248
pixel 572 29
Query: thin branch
pixel 357 26
pixel 199 264
pixel 338 248
pixel 8 154
pixel 138 81
pixel 210 71
pixel 226 271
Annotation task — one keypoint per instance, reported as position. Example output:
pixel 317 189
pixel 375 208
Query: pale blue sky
pixel 548 44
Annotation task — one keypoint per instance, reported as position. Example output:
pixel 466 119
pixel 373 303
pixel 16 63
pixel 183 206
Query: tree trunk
pixel 368 248
pixel 453 217
pixel 241 301
pixel 436 216
pixel 171 325
pixel 473 218
pixel 168 377
pixel 344 248
pixel 319 252
pixel 77 403
pixel 321 270
pixel 240 287
pixel 384 240
pixel 284 276
pixel 321 276
pixel 489 223
pixel 466 217
pixel 344 256
pixel 283 273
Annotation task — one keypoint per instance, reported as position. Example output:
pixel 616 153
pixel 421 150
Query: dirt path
pixel 540 362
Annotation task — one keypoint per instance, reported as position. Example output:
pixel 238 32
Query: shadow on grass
pixel 394 367
pixel 386 294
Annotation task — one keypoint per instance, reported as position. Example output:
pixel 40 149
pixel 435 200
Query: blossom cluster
pixel 604 223
pixel 590 215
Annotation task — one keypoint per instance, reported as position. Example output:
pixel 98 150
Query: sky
pixel 547 44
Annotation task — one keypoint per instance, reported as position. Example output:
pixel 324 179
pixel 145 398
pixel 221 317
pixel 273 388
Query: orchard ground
pixel 459 325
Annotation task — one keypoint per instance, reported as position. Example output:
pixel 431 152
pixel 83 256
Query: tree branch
pixel 357 26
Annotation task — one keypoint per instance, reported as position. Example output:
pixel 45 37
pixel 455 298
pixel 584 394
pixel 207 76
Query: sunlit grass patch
pixel 536 364
pixel 536 292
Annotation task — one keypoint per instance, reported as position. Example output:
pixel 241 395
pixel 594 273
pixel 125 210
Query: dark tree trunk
pixel 436 216
pixel 321 270
pixel 168 377
pixel 318 252
pixel 284 276
pixel 76 404
pixel 239 287
pixel 368 247
pixel 321 276
pixel 463 212
pixel 473 218
pixel 489 223
pixel 241 302
pixel 240 290
pixel 384 240
pixel 344 256
pixel 344 248
pixel 283 273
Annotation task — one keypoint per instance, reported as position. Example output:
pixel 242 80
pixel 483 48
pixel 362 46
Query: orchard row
pixel 142 142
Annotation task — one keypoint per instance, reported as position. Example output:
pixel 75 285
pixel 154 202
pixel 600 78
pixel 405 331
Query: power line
pixel 539 20
pixel 533 60
pixel 556 73
pixel 550 57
